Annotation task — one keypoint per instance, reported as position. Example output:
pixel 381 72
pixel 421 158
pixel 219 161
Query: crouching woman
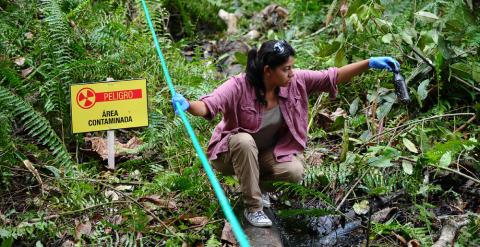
pixel 263 132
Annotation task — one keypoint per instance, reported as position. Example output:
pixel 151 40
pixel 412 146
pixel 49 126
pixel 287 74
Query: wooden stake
pixel 111 144
pixel 111 149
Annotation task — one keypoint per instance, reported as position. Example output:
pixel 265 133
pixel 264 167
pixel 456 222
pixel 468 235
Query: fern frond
pixel 6 142
pixel 330 172
pixel 160 18
pixel 58 31
pixel 301 191
pixel 59 55
pixel 7 72
pixel 79 9
pixel 313 175
pixel 36 125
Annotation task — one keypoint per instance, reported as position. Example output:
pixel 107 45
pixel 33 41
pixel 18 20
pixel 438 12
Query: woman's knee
pixel 296 171
pixel 222 165
pixel 242 141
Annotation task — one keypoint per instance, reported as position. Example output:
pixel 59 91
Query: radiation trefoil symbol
pixel 86 98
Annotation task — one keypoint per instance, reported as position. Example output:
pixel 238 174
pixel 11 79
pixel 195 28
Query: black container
pixel 401 89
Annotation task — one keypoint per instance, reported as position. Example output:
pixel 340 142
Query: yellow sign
pixel 109 105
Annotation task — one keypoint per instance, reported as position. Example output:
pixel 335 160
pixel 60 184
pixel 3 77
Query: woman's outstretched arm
pixel 348 71
pixel 198 108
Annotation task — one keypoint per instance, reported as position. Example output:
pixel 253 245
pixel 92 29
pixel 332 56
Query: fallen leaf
pixel 111 194
pixel 315 158
pixel 134 142
pixel 200 220
pixel 26 72
pixel 460 204
pixel 83 229
pixel 19 61
pixel 99 145
pixel 159 201
pixel 124 187
pixel 339 112
pixel 400 238
pixel 136 175
pixel 68 243
pixel 413 243
pixel 382 215
pixel 275 9
pixel 410 146
pixel 29 35
pixel 272 16
pixel 253 34
pixel 227 234
pixel 116 220
pixel 34 171
pixel 407 167
pixel 361 207
pixel 150 206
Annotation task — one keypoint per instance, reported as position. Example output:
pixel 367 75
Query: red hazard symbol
pixel 86 98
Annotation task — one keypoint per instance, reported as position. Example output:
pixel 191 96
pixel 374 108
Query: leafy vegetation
pixel 55 189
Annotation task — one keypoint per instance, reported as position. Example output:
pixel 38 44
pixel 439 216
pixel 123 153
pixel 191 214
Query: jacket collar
pixel 283 92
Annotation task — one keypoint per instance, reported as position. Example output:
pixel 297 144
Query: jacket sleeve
pixel 221 99
pixel 320 81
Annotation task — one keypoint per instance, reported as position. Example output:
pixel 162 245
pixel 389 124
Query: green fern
pixel 6 143
pixel 7 149
pixel 79 8
pixel 301 191
pixel 419 233
pixel 56 44
pixel 379 182
pixel 314 175
pixel 36 125
pixel 327 173
pixel 59 32
pixel 160 17
pixel 9 73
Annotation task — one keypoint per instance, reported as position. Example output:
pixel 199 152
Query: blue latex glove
pixel 387 63
pixel 184 104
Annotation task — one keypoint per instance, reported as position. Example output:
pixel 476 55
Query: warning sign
pixel 109 105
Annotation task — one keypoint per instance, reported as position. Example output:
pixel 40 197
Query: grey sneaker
pixel 266 200
pixel 259 218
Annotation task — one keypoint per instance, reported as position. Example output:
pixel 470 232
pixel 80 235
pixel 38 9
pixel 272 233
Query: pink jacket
pixel 235 98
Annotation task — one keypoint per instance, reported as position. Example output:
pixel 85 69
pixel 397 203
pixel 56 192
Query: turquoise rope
pixel 227 209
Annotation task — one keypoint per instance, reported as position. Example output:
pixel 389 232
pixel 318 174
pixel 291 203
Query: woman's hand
pixel 184 104
pixel 387 63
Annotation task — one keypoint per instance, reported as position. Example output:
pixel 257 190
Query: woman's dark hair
pixel 272 53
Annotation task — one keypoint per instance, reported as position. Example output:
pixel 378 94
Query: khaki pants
pixel 244 160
